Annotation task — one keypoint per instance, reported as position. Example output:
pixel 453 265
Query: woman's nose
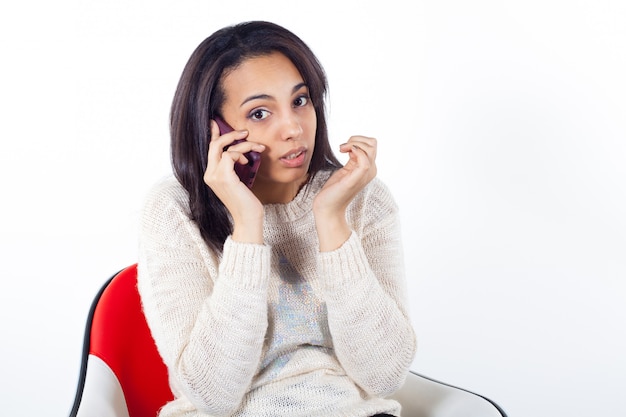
pixel 290 127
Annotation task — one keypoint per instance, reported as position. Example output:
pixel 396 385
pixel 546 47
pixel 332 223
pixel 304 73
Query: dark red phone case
pixel 246 172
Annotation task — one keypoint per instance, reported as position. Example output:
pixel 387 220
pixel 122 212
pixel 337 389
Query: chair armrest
pixel 102 394
pixel 424 397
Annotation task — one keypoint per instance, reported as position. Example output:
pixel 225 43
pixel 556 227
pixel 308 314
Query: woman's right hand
pixel 245 209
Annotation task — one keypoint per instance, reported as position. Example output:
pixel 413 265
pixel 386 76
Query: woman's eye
pixel 258 114
pixel 301 101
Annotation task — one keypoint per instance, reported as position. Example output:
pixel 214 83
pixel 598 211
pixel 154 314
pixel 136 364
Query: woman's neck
pixel 277 193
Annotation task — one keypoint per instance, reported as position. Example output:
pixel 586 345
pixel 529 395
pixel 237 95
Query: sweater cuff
pixel 345 266
pixel 245 265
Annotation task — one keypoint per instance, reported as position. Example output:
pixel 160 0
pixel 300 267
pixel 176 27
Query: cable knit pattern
pixel 278 329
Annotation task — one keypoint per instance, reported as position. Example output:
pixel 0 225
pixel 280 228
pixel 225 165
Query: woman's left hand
pixel 330 204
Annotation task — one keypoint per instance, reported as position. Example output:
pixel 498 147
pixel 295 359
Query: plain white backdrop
pixel 502 133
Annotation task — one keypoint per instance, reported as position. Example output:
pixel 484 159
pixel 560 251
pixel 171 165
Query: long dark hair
pixel 199 98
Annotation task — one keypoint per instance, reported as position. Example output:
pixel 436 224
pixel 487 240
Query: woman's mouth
pixel 294 158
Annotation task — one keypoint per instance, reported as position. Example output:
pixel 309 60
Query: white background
pixel 502 133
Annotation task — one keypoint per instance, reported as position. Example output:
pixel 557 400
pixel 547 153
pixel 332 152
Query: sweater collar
pixel 302 202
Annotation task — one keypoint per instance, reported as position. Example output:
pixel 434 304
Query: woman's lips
pixel 294 158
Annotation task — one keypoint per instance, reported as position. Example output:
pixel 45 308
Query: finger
pixel 245 146
pixel 215 130
pixel 215 134
pixel 354 148
pixel 215 150
pixel 236 156
pixel 366 141
pixel 362 158
pixel 219 143
pixel 367 144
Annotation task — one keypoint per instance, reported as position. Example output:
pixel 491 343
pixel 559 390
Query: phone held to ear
pixel 247 173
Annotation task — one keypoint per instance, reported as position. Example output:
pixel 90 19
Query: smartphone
pixel 247 173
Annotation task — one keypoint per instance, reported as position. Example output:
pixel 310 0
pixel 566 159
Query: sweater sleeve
pixel 364 285
pixel 207 313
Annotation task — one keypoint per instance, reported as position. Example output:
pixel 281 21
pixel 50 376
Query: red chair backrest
pixel 121 338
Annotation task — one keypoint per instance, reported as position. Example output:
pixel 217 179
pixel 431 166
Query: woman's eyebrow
pixel 299 86
pixel 268 97
pixel 256 97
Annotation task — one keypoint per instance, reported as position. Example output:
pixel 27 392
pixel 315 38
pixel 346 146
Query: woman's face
pixel 267 96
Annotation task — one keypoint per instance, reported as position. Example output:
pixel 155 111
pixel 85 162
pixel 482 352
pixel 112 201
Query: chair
pixel 122 374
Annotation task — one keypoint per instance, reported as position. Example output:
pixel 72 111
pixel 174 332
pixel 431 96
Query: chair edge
pixel 82 374
pixel 497 407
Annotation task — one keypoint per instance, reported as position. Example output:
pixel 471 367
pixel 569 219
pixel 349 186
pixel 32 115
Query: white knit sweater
pixel 278 329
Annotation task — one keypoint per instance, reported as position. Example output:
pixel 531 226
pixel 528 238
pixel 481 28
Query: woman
pixel 286 298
